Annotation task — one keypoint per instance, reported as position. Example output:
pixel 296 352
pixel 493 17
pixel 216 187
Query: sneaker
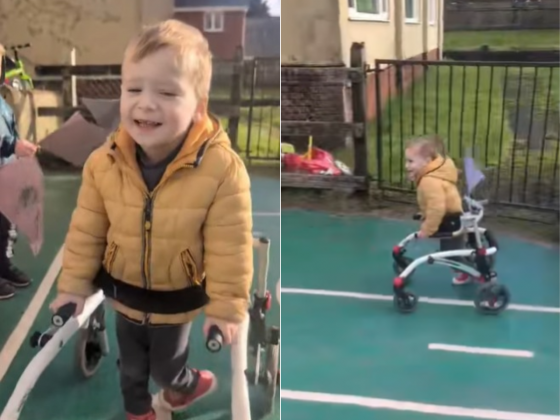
pixel 150 416
pixel 16 277
pixel 7 291
pixel 461 278
pixel 173 401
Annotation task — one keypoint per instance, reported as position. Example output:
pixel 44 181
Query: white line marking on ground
pixel 266 214
pixel 432 301
pixel 481 350
pixel 378 403
pixel 21 331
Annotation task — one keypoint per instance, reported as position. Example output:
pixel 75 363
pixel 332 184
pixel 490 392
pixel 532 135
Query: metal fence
pixel 505 115
pixel 468 15
pixel 245 94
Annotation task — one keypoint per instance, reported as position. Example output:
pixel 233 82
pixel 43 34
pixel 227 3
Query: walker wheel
pixel 491 298
pixel 88 352
pixel 405 302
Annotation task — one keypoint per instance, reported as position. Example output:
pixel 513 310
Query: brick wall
pixel 310 94
pixel 307 95
pixel 223 44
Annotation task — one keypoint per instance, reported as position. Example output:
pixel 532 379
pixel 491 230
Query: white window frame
pixel 217 18
pixel 433 12
pixel 382 16
pixel 416 12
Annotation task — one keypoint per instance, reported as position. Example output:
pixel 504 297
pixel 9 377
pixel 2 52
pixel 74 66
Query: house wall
pixel 222 44
pixel 98 29
pixel 379 37
pixel 306 43
pixel 420 41
pixel 311 33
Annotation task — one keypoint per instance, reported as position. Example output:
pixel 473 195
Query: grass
pixel 530 176
pixel 503 40
pixel 264 130
pixel 445 102
pixel 547 82
pixel 264 142
pixel 474 109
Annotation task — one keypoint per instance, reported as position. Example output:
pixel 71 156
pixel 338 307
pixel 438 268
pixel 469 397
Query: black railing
pixel 506 115
pixel 261 118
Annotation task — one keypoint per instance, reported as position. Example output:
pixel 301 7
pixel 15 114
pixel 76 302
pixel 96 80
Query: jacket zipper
pixel 147 220
pixel 146 246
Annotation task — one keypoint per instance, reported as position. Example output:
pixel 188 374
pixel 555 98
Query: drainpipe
pixel 399 22
pixel 425 26
pixel 440 17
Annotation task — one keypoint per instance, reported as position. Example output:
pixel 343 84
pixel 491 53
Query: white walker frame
pixel 240 404
pixel 469 224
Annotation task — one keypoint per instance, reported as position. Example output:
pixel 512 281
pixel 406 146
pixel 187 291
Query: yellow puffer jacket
pixel 437 193
pixel 201 225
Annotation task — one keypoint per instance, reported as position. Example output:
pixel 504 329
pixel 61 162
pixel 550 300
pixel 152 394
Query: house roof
pixel 212 3
pixel 262 37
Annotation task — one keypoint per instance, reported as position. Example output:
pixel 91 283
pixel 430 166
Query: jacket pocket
pixel 110 256
pixel 189 266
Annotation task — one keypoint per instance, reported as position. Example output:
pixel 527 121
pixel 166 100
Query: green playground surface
pixel 347 353
pixel 61 392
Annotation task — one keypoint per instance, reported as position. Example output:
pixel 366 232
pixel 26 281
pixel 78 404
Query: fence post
pixel 357 61
pixel 73 79
pixel 379 122
pixel 252 102
pixel 66 92
pixel 235 95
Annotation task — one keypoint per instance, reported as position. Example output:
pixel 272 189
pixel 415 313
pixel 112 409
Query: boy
pixel 163 222
pixel 438 197
pixel 11 147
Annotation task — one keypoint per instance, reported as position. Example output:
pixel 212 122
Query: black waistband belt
pixel 151 301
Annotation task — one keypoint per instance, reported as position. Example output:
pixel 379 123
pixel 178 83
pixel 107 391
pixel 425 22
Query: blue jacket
pixel 8 133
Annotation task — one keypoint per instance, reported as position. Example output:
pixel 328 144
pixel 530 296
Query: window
pixel 213 21
pixel 368 10
pixel 432 11
pixel 411 11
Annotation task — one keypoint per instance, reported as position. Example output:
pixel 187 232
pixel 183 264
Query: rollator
pixel 255 338
pixel 476 258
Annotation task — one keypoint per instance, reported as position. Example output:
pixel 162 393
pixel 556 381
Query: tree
pixel 258 8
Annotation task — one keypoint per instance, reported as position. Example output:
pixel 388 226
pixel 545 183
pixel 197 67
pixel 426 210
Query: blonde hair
pixel 193 52
pixel 2 50
pixel 430 146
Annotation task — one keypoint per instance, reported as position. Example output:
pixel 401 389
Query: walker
pixel 478 256
pixel 92 346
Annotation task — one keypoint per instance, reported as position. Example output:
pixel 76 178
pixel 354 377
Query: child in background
pixel 11 147
pixel 163 223
pixel 436 176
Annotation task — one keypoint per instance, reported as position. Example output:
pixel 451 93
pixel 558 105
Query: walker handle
pixel 63 314
pixel 215 339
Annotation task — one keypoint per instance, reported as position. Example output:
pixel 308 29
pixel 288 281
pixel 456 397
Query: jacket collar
pixel 191 153
pixel 433 166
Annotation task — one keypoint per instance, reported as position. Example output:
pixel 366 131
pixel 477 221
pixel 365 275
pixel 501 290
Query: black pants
pixel 8 237
pixel 452 244
pixel 157 351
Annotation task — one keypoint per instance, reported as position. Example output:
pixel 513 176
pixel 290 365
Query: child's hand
pixel 24 148
pixel 421 235
pixel 65 298
pixel 228 329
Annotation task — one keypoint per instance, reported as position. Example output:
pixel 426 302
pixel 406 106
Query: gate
pixel 258 133
pixel 504 114
pixel 245 96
